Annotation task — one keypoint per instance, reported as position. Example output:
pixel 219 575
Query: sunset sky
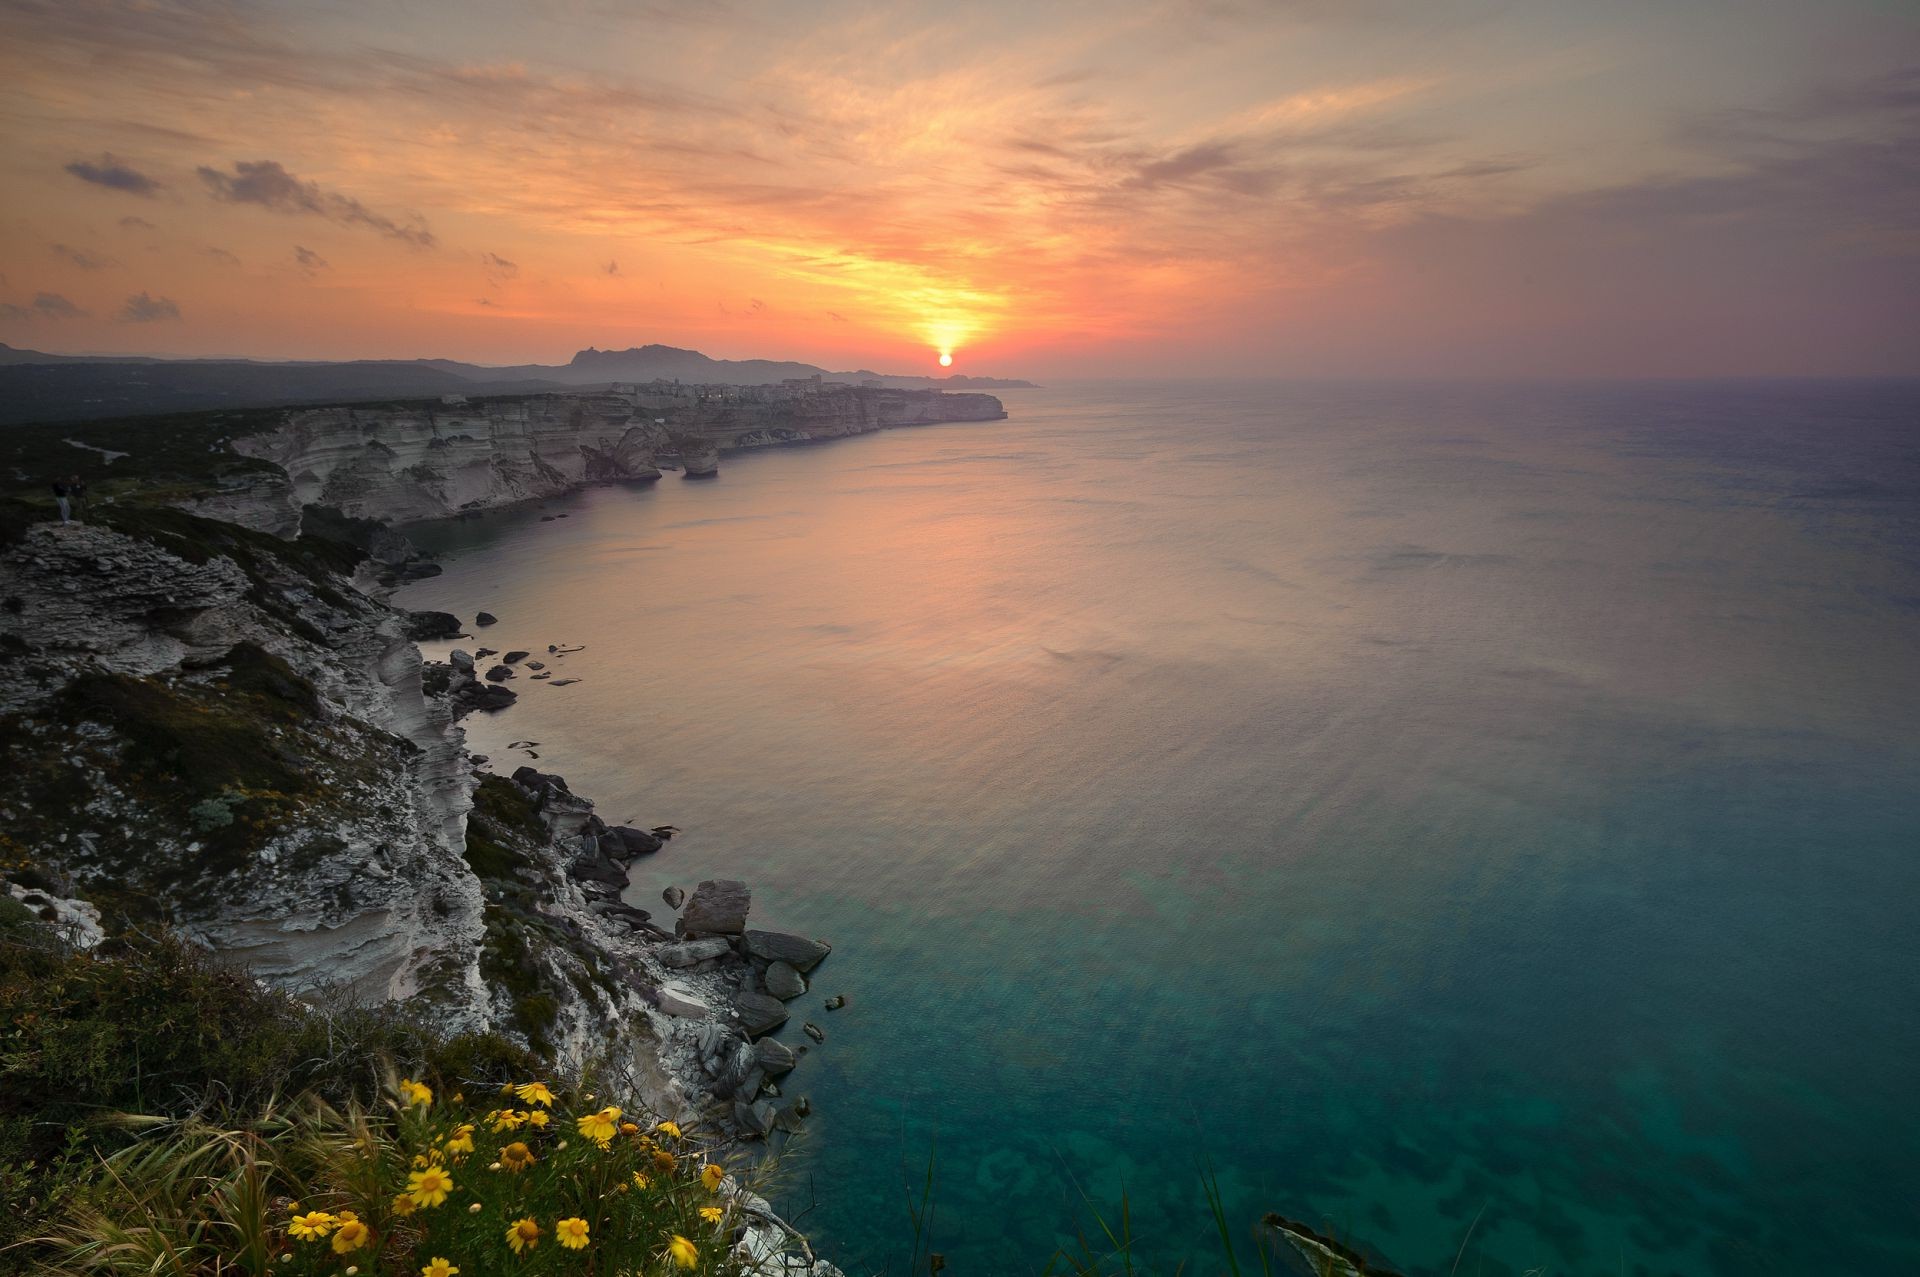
pixel 1289 187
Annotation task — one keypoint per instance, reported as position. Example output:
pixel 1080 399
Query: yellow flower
pixel 524 1234
pixel 312 1226
pixel 599 1127
pixel 403 1205
pixel 711 1214
pixel 536 1117
pixel 572 1233
pixel 628 1128
pixel 351 1235
pixel 669 1128
pixel 429 1187
pixel 641 1181
pixel 461 1141
pixel 438 1267
pixel 711 1175
pixel 683 1252
pixel 415 1093
pixel 507 1120
pixel 534 1093
pixel 516 1156
pixel 664 1161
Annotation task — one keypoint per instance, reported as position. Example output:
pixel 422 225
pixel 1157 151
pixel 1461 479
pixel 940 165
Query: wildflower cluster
pixel 441 1187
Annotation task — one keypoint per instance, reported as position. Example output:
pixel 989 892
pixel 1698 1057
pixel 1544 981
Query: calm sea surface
pixel 1471 816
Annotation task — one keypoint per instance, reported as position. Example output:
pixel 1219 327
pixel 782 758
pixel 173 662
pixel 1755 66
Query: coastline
pixel 350 844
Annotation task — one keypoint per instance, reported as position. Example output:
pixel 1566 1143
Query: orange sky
pixel 1256 188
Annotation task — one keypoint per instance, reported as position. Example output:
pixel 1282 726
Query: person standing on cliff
pixel 62 490
pixel 77 487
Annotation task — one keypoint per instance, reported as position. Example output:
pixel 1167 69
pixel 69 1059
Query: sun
pixel 946 360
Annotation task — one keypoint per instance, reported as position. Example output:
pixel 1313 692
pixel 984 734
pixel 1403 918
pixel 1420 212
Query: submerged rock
pixel 484 618
pixel 814 1031
pixel 837 1001
pixel 674 897
pixel 499 674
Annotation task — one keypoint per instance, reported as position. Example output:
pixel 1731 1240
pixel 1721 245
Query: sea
pixel 1480 821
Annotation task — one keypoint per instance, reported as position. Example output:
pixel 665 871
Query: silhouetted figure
pixel 78 488
pixel 62 492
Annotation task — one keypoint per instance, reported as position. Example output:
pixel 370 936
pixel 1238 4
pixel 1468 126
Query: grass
pixel 157 1027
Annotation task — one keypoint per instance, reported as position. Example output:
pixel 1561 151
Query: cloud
pixel 43 306
pixel 79 257
pixel 498 269
pixel 310 262
pixel 221 255
pixel 115 175
pixel 136 224
pixel 268 184
pixel 142 309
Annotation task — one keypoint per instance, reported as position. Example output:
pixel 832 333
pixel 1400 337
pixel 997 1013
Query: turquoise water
pixel 1483 820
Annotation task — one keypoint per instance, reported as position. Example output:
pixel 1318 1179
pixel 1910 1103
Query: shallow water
pixel 1471 816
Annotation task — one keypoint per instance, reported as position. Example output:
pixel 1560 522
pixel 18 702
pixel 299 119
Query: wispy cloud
pixel 498 269
pixel 268 184
pixel 144 309
pixel 308 260
pixel 115 175
pixel 43 306
pixel 80 257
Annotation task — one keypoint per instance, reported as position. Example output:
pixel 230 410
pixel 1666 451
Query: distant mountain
pixel 36 386
pixel 655 362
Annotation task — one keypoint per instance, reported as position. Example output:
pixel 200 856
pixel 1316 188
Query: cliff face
pixel 210 729
pixel 409 463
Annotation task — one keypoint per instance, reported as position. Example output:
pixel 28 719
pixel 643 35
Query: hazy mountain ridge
pixel 38 386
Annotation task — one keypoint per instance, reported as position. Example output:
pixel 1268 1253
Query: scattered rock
pixel 755 1119
pixel 788 1118
pixel 563 682
pixel 837 1001
pixel 460 660
pixel 784 982
pixel 674 897
pixel 718 907
pixel 484 618
pixel 689 952
pixel 499 674
pixel 778 946
pixel 630 842
pixel 813 1031
pixel 422 626
pixel 598 869
pixel 514 658
pixel 759 1013
pixel 774 1057
pixel 683 1005
pixel 481 653
pixel 536 665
